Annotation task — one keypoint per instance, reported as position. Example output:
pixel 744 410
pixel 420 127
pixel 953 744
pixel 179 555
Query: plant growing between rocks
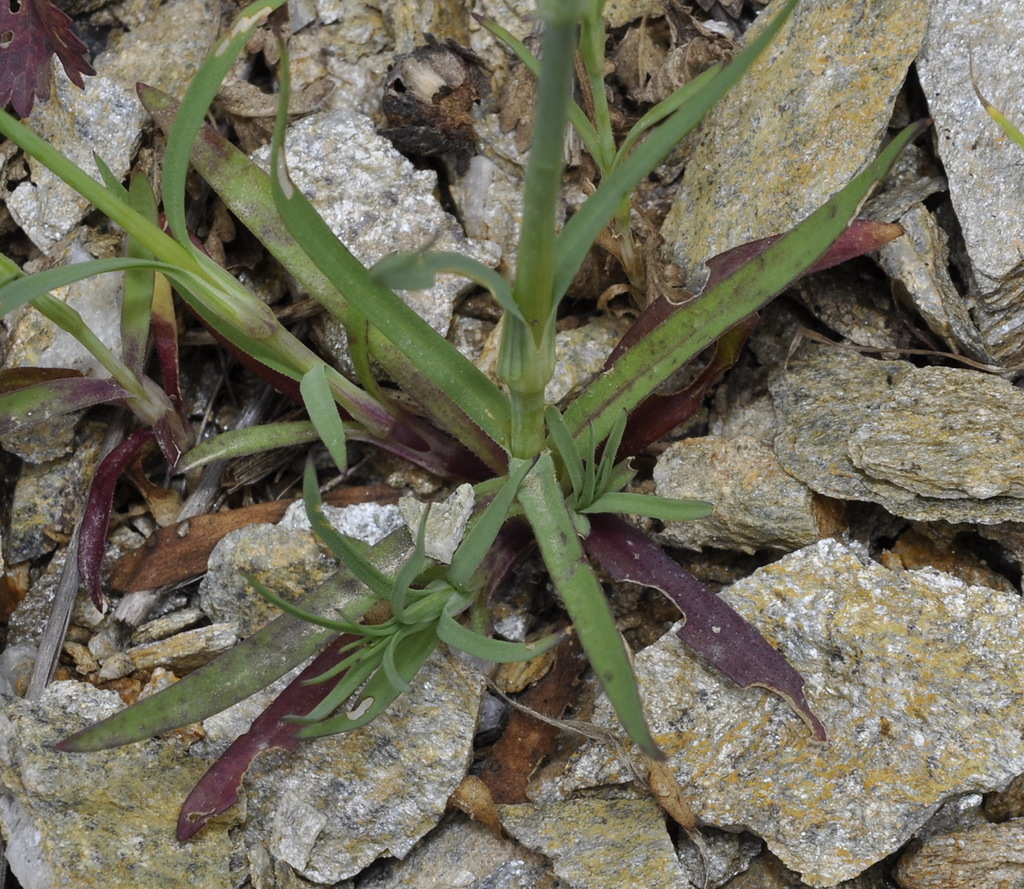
pixel 544 475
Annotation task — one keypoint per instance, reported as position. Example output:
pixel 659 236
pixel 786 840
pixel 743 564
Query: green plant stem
pixel 527 355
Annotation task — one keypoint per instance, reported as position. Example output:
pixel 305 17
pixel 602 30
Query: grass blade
pixel 584 599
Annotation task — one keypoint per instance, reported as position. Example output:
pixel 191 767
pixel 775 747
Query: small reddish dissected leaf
pixel 92 537
pixel 217 791
pixel 30 32
pixel 713 628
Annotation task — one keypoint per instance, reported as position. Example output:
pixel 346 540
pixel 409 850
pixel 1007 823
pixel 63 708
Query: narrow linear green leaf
pixel 343 549
pixel 243 670
pixel 452 633
pixel 478 540
pixel 642 368
pixel 193 109
pixel 584 599
pixel 379 693
pixel 419 271
pixel 339 626
pixel 252 440
pixel 435 357
pixel 582 230
pixel 664 508
pixel 565 446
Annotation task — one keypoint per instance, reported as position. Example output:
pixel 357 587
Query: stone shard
pixel 917 676
pixel 328 809
pixel 980 855
pixel 985 170
pixel 807 117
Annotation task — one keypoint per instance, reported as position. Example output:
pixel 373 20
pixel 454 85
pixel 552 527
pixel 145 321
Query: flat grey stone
pixel 99 818
pixel 855 428
pixel 105 118
pixel 600 843
pixel 377 204
pixel 918 678
pixel 462 853
pixel 328 809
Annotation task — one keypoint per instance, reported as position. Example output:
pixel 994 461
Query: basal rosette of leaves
pixel 546 477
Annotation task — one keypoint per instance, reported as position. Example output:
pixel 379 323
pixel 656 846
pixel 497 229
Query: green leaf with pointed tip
pixel 451 632
pixel 419 271
pixel 323 413
pixel 446 367
pixel 478 540
pixel 584 599
pixel 349 625
pixel 651 361
pixel 565 446
pixel 252 440
pixel 664 508
pixel 582 230
pixel 344 549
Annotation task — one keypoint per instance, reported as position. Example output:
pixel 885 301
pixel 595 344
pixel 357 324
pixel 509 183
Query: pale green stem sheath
pixel 527 356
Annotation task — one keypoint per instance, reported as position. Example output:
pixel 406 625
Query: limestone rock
pixel 600 843
pixel 981 855
pixel 97 819
pixel 105 118
pixel 376 203
pixel 465 854
pixel 916 676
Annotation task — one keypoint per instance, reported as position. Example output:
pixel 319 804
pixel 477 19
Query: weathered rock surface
pixel 758 505
pixel 855 428
pixel 99 819
pixel 286 557
pixel 917 677
pixel 462 853
pixel 808 115
pixel 320 813
pixel 611 843
pixel 105 118
pixel 919 260
pixel 980 855
pixel 986 176
pixel 328 809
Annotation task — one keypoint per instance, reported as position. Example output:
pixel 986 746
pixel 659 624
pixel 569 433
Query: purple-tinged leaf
pixel 30 32
pixel 32 395
pixel 712 628
pixel 164 328
pixel 217 791
pixel 661 413
pixel 862 236
pixel 92 538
